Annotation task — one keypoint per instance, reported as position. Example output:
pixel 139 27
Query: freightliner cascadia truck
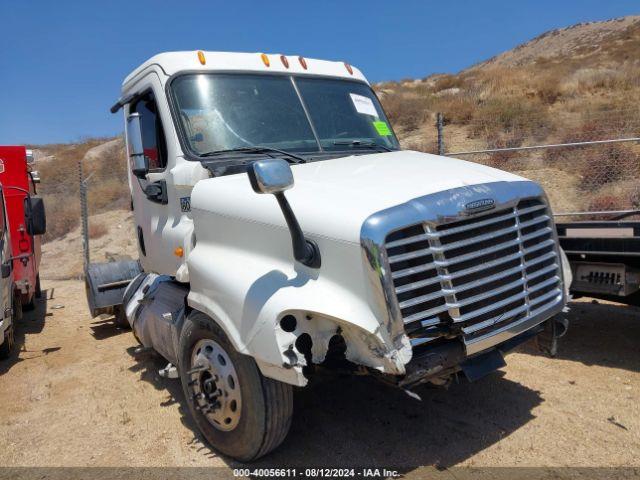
pixel 284 233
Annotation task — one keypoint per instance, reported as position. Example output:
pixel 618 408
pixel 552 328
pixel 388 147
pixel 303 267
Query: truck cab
pixel 283 232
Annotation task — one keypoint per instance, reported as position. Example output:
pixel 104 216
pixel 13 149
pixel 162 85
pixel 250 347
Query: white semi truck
pixel 381 261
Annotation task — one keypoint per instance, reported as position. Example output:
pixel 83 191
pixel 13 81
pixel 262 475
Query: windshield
pixel 230 111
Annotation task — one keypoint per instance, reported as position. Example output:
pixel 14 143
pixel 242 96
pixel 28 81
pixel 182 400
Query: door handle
pixel 157 192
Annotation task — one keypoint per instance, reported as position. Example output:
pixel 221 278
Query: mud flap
pixel 106 282
pixel 483 364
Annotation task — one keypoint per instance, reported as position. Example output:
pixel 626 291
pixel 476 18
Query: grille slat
pixel 470 241
pixel 480 286
pixel 534 221
pixel 540 246
pixel 484 280
pixel 553 293
pixel 543 258
pixel 542 272
pixel 416 285
pixel 483 266
pixel 409 240
pixel 546 283
pixel 480 224
pixel 426 314
pixel 536 234
pixel 492 307
pixel 409 256
pixel 413 270
pixel 480 253
pixel 485 295
pixel 421 299
pixel 535 208
pixel 493 320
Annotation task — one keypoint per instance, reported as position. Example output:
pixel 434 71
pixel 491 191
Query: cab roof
pixel 173 62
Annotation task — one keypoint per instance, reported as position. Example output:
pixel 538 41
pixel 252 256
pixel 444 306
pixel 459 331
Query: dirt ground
pixel 76 395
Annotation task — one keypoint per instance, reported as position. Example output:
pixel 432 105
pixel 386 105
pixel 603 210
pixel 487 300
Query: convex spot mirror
pixel 270 176
pixel 139 163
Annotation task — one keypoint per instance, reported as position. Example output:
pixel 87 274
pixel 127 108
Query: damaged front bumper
pixel 448 358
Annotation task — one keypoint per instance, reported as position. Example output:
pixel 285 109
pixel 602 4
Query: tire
pixel 38 288
pixel 30 306
pixel 262 417
pixel 6 349
pixel 120 317
pixel 17 308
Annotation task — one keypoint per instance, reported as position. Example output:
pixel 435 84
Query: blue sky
pixel 62 62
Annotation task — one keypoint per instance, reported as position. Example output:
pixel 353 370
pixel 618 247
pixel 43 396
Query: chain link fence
pixel 105 211
pixel 587 161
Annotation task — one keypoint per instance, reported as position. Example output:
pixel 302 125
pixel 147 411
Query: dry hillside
pixel 580 83
pixel 104 167
pixel 587 43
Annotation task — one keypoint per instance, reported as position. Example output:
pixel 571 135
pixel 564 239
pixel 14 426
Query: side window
pixel 153 139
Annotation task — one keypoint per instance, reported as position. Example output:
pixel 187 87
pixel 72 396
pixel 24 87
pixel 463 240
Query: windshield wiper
pixel 365 144
pixel 291 157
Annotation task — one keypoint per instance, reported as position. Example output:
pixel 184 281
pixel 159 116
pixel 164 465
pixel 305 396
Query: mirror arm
pixel 305 251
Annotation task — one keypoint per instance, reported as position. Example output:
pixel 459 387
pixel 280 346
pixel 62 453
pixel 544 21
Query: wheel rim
pixel 214 386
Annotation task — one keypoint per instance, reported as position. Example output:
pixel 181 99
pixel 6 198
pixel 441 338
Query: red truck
pixel 25 223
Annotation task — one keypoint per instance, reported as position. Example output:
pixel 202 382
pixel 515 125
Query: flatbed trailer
pixel 604 258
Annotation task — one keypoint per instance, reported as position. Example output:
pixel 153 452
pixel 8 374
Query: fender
pixel 242 274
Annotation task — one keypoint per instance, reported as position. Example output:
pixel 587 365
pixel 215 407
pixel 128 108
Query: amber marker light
pixel 201 57
pixel 303 62
pixel 178 252
pixel 265 59
pixel 284 61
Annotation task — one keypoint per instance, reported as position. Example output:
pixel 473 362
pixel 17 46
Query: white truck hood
pixel 332 198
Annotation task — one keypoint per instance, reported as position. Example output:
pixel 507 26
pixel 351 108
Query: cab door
pixel 151 203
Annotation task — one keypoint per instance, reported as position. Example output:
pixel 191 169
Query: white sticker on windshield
pixel 363 104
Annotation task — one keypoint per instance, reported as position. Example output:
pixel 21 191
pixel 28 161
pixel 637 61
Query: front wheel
pixel 240 412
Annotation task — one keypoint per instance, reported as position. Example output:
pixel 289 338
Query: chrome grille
pixel 476 275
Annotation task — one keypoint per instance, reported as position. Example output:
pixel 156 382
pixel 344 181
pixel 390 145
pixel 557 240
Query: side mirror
pixel 35 217
pixel 139 163
pixel 274 176
pixel 30 157
pixel 270 176
pixel 35 175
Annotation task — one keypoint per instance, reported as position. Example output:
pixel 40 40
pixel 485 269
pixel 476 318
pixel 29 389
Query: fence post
pixel 439 126
pixel 84 214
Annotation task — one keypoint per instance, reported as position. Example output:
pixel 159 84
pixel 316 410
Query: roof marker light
pixel 265 59
pixel 201 57
pixel 348 67
pixel 303 62
pixel 284 61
